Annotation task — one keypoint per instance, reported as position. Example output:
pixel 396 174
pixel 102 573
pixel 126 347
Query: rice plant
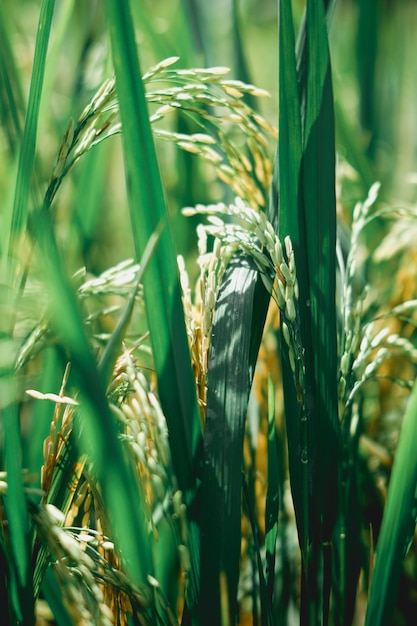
pixel 207 380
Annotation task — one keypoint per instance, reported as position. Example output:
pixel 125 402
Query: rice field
pixel 208 304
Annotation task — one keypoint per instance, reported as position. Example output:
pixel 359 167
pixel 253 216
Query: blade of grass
pixel 27 149
pixel 320 214
pixel 114 346
pixel 272 495
pixel 176 384
pixel 11 99
pixel 398 523
pixel 291 222
pixel 97 432
pixel 162 293
pixel 306 171
pixel 62 491
pixel 237 328
pixel 367 44
pixel 15 500
pixel 17 518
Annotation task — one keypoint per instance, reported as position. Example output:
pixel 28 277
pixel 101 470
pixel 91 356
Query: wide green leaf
pixel 305 180
pixel 237 327
pixel 96 428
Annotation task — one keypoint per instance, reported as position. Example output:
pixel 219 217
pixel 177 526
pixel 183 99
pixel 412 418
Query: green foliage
pixel 205 438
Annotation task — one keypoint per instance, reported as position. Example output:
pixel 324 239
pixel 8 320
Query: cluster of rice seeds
pixel 254 234
pixel 197 92
pixel 120 595
pixel 199 315
pixel 53 445
pixel 98 121
pixel 367 347
pixel 74 569
pixel 192 317
pixel 82 503
pixel 352 304
pixel 251 232
pixel 145 431
pixel 215 101
pixel 118 280
pixel 374 350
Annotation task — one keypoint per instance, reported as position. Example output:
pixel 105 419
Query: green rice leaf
pixel 176 386
pixel 11 99
pixel 17 517
pixel 89 193
pixel 318 183
pixel 27 149
pixel 320 215
pixel 237 327
pixel 272 495
pixel 98 435
pixel 307 212
pixel 114 346
pixel 398 523
pixel 15 500
pixel 162 292
pixel 287 173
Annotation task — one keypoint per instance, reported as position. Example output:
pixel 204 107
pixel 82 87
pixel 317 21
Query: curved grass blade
pixel 237 328
pixel 398 523
pixel 61 492
pixel 98 437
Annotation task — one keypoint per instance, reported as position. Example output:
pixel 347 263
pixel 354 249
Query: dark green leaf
pixel 237 328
